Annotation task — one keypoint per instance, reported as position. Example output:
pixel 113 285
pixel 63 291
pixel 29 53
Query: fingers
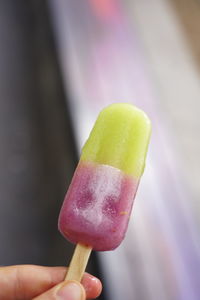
pixel 92 286
pixel 26 281
pixel 29 281
pixel 69 290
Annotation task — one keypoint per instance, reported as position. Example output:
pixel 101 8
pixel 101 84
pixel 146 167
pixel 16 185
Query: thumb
pixel 67 290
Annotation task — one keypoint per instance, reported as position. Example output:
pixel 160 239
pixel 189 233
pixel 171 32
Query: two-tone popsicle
pixel 97 206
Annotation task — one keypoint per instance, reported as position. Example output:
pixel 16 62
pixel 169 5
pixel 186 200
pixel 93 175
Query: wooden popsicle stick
pixel 78 262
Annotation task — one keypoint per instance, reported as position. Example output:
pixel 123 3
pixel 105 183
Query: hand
pixel 25 282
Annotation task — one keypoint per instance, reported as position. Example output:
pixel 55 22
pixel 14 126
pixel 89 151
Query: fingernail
pixel 71 291
pixel 92 286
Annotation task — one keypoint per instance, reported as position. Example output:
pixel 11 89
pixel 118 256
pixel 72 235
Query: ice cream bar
pixel 97 206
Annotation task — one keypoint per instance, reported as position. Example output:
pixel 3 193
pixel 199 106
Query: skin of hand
pixel 26 282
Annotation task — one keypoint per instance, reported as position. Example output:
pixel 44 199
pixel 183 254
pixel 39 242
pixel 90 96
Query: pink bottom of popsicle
pixel 97 206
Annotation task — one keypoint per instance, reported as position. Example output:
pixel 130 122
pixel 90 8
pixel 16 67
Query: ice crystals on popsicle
pixel 98 203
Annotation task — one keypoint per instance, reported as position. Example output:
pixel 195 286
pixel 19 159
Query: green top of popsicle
pixel 119 138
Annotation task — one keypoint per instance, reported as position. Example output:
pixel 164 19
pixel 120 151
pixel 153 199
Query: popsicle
pixel 98 204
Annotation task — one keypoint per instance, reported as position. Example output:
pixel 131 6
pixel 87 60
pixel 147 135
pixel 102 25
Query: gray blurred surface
pixel 37 154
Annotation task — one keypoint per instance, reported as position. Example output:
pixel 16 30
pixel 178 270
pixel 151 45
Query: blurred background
pixel 61 62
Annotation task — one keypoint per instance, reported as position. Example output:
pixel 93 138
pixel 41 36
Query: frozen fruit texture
pixel 119 138
pixel 98 204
